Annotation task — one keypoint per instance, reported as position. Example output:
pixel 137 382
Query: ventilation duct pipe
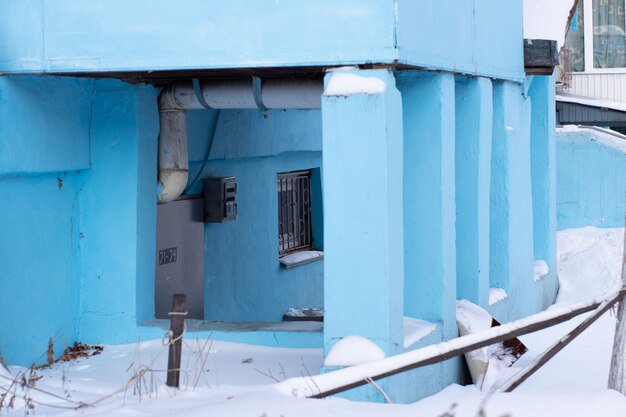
pixel 218 94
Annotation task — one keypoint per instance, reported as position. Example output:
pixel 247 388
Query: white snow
pixel 587 264
pixel 415 330
pixel 541 269
pixel 353 350
pixel 301 257
pixel 546 19
pixel 496 295
pixel 345 83
pixel 239 380
pixel 473 318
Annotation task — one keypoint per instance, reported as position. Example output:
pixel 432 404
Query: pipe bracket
pixel 199 96
pixel 257 92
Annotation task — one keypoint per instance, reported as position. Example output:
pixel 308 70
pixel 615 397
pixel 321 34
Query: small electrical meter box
pixel 220 199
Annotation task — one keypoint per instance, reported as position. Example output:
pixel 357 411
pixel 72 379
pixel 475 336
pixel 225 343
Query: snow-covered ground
pixel 227 379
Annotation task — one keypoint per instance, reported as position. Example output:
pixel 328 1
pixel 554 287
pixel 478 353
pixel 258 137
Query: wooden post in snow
pixel 177 326
pixel 617 374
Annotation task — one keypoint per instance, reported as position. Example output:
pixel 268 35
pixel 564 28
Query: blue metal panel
pixel 132 35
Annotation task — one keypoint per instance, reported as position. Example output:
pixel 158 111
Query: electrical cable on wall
pixel 207 154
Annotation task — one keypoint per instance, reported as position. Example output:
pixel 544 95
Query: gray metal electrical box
pixel 180 256
pixel 220 199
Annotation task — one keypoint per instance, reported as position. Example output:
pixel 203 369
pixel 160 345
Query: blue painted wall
pixel 475 37
pixel 120 35
pixel 78 184
pixel 38 134
pixel 244 280
pixel 469 36
pixel 44 149
pixel 591 180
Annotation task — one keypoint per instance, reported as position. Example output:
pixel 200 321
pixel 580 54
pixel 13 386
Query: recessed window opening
pixel 294 212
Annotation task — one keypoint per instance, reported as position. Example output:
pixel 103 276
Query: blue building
pixel 402 140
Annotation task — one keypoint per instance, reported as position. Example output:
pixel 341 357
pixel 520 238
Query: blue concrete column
pixel 543 159
pixel 429 208
pixel 511 212
pixel 474 111
pixel 362 186
pixel 118 214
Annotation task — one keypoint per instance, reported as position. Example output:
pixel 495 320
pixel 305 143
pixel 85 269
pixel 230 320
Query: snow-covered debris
pixel 345 83
pixel 353 350
pixel 496 295
pixel 301 257
pixel 589 262
pixel 541 269
pixel 415 330
pixel 305 312
pixel 485 364
pixel 547 19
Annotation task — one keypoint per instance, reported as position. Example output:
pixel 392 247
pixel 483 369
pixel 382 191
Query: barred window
pixel 294 211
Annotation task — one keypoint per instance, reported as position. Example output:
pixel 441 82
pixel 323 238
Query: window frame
pixel 588 44
pixel 300 212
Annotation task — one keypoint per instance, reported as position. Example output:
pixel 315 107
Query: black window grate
pixel 294 211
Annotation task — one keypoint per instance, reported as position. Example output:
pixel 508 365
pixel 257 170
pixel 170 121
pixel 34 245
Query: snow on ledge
pixel 415 330
pixel 496 295
pixel 301 258
pixel 344 83
pixel 606 137
pixel 353 350
pixel 541 269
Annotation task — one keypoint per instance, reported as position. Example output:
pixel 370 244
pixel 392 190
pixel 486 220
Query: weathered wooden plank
pixel 177 326
pixel 617 372
pixel 356 376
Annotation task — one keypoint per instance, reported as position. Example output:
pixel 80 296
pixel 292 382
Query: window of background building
pixel 575 41
pixel 609 38
pixel 605 28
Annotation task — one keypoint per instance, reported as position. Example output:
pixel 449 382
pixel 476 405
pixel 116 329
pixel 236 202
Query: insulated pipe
pixel 218 94
pixel 240 94
pixel 173 158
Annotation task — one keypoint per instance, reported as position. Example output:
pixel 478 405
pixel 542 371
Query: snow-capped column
pixel 429 208
pixel 362 186
pixel 474 111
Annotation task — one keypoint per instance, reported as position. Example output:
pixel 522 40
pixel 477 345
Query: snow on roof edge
pixel 590 101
